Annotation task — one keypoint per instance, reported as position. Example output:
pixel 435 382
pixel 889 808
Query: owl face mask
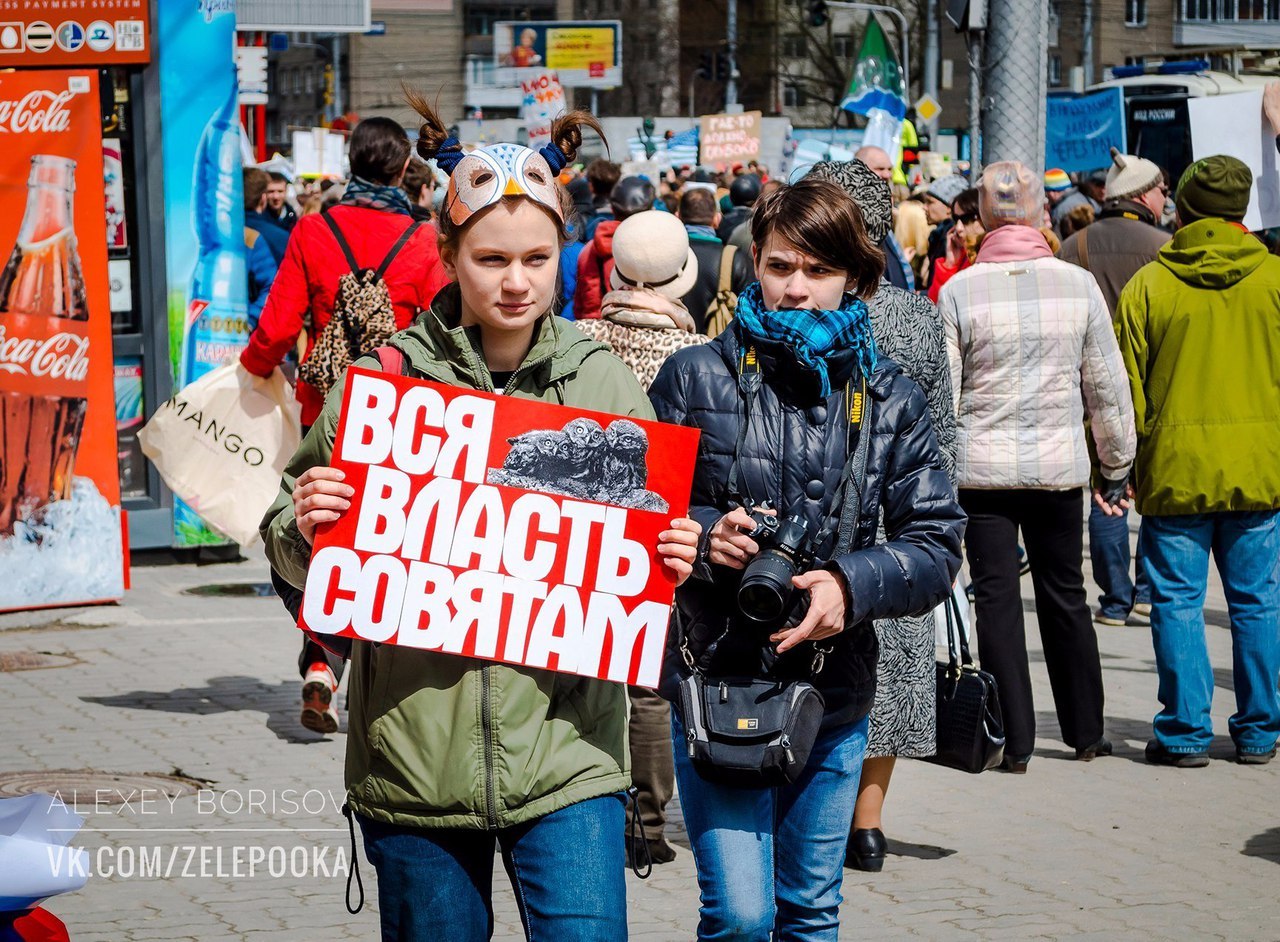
pixel 484 176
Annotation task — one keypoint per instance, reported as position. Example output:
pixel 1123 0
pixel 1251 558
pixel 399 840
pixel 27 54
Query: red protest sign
pixel 500 528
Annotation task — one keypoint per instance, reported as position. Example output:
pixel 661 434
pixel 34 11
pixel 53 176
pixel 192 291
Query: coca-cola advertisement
pixel 60 525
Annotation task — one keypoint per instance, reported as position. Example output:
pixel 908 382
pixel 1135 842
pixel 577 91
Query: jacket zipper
pixel 486 724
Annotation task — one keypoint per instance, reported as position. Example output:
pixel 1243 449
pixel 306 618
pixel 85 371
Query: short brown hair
pixel 697 207
pixel 255 187
pixel 379 148
pixel 603 175
pixel 820 219
pixel 416 176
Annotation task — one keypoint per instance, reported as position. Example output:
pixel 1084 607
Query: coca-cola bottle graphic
pixel 44 348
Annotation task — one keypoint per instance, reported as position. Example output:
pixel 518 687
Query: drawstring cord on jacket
pixel 355 862
pixel 637 837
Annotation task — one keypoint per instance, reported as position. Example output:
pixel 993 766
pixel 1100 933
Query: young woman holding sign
pixel 800 415
pixel 447 755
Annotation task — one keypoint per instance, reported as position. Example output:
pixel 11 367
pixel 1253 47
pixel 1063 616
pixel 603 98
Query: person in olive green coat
pixel 447 755
pixel 1199 332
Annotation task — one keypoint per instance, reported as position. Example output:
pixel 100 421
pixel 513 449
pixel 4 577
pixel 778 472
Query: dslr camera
pixel 765 593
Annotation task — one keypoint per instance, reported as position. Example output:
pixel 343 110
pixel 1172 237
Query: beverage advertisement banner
pixel 60 536
pixel 728 139
pixel 203 203
pixel 499 528
pixel 1080 132
pixel 75 33
pixel 586 54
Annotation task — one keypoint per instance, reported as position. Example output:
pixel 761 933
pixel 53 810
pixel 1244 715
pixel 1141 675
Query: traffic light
pixel 705 66
pixel 818 13
pixel 722 66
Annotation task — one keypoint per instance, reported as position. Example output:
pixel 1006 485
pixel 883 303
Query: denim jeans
pixel 567 870
pixel 1109 553
pixel 770 860
pixel 1246 548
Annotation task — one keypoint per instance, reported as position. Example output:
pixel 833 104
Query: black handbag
pixel 970 724
pixel 749 732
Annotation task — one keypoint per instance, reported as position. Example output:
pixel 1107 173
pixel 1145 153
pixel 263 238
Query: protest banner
pixel 543 102
pixel 500 528
pixel 1234 125
pixel 727 139
pixel 1080 132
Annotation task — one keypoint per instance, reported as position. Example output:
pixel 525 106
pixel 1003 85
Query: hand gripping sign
pixel 500 528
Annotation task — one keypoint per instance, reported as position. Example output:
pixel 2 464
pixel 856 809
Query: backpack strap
pixel 399 244
pixel 342 242
pixel 391 359
pixel 726 267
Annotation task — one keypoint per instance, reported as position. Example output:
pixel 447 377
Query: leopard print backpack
pixel 363 316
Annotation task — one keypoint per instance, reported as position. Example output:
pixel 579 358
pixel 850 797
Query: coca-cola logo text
pixel 39 111
pixel 62 356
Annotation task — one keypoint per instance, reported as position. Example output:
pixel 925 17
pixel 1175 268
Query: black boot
pixel 866 850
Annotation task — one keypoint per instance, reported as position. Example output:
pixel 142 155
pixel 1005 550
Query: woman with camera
pixel 807 435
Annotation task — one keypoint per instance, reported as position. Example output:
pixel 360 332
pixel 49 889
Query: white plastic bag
pixel 222 443
pixel 940 615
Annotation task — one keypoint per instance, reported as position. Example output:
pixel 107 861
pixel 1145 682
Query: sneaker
pixel 318 687
pixel 1157 754
pixel 1102 619
pixel 1246 757
pixel 1143 609
pixel 1102 747
pixel 1137 619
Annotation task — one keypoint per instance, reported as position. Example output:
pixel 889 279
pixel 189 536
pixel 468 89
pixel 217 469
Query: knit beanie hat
pixel 1010 194
pixel 946 189
pixel 1056 181
pixel 1214 188
pixel 1131 176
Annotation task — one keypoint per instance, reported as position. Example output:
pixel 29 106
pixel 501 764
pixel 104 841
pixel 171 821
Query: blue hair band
pixel 449 154
pixel 556 158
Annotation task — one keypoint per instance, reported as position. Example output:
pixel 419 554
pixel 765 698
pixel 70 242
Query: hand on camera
pixel 678 547
pixel 319 496
pixel 730 544
pixel 826 610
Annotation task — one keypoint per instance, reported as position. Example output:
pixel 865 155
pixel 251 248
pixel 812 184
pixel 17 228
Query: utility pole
pixel 931 54
pixel 975 104
pixel 731 85
pixel 1017 49
pixel 1086 53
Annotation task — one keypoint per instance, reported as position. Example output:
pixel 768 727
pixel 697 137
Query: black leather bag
pixel 749 733
pixel 970 724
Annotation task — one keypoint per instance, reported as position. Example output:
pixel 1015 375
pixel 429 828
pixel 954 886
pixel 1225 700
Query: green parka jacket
pixel 1199 331
pixel 441 741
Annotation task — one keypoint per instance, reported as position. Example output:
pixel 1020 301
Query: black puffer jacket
pixel 792 458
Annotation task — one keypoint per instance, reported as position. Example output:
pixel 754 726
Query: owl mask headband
pixel 483 177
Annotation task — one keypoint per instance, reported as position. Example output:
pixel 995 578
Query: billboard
pixel 499 528
pixel 75 33
pixel 585 53
pixel 203 203
pixel 60 529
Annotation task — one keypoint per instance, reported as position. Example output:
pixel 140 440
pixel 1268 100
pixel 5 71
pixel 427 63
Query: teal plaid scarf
pixel 389 199
pixel 812 335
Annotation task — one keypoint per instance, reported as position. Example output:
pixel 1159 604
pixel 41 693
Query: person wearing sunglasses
pixel 962 241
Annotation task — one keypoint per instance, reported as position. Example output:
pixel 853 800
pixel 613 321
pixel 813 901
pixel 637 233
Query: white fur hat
pixel 651 250
pixel 1131 176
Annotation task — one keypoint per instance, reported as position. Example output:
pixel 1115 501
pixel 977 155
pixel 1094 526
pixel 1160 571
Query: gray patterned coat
pixel 908 329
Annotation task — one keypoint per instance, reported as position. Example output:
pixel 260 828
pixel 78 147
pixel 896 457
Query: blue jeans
pixel 567 870
pixel 1246 548
pixel 770 860
pixel 1109 553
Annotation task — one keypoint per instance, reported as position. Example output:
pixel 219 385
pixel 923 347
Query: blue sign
pixel 1080 132
pixel 377 28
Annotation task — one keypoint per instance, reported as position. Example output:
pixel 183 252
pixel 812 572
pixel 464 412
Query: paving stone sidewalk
pixel 207 688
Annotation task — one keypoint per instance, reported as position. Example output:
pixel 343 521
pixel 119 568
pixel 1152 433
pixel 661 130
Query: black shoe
pixel 660 852
pixel 1100 748
pixel 866 850
pixel 1254 758
pixel 1016 764
pixel 1157 754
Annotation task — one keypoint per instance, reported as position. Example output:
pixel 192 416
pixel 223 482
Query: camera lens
pixel 766 586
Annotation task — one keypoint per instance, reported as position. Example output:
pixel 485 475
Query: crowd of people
pixel 911 378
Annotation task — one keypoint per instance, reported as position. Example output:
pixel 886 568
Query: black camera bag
pixel 749 733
